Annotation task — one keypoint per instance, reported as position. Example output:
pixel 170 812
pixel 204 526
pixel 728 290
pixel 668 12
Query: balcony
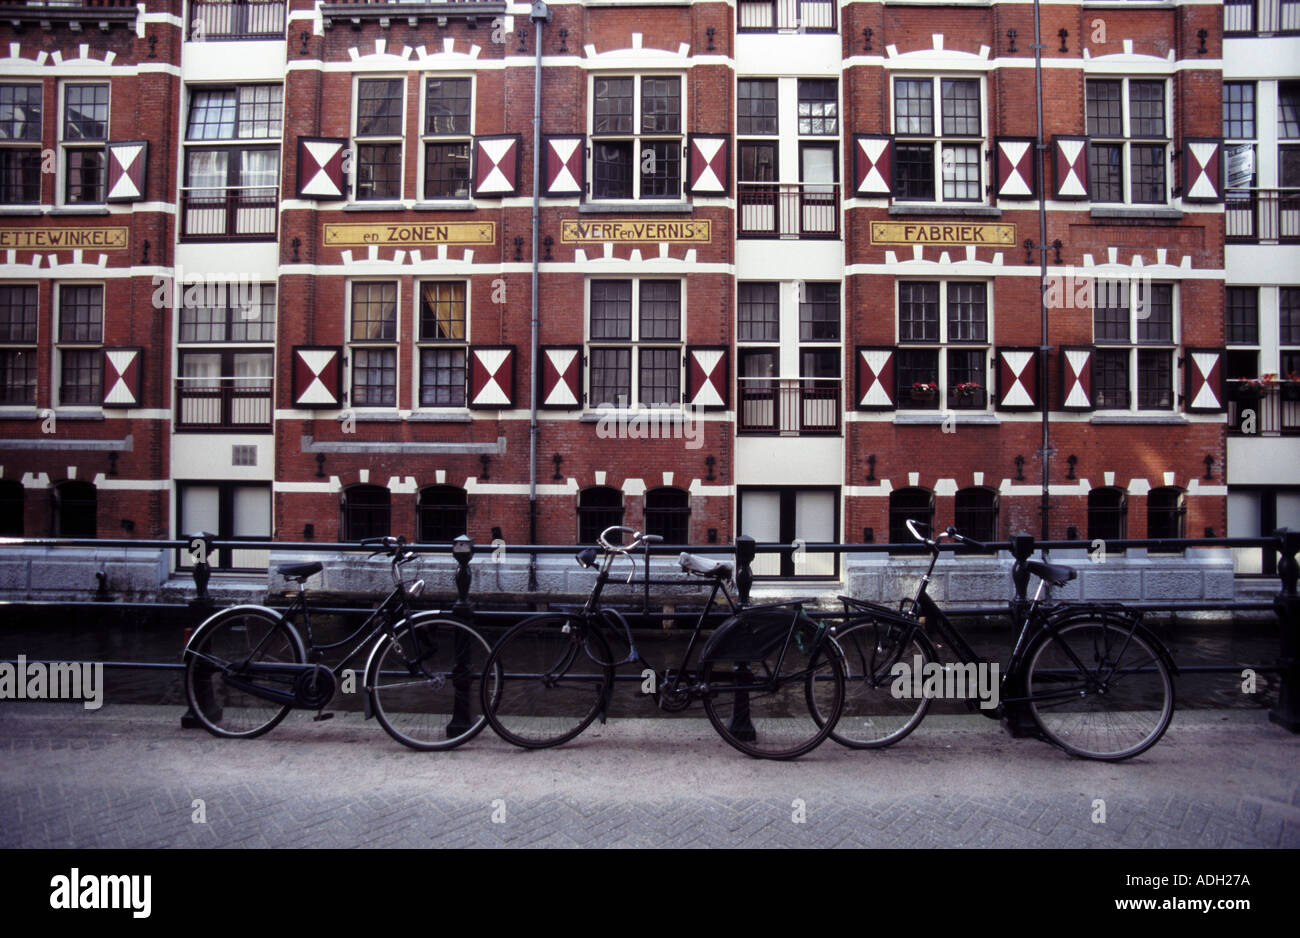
pixel 76 13
pixel 785 16
pixel 353 12
pixel 781 210
pixel 789 406
pixel 209 404
pixel 244 214
pixel 1254 216
pixel 1277 409
pixel 236 19
pixel 1261 18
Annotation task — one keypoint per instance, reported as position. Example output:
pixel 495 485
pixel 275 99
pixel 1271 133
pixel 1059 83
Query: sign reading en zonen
pixel 106 239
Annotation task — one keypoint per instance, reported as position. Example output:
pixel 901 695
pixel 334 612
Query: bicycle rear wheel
pixel 875 716
pixel 774 707
pixel 547 690
pixel 423 682
pixel 1097 691
pixel 228 648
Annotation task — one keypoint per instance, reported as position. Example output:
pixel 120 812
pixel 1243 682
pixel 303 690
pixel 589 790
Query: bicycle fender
pixel 219 616
pixel 1124 617
pixel 372 660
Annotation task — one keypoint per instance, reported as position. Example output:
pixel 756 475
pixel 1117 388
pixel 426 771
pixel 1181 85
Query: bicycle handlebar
pixel 638 539
pixel 951 533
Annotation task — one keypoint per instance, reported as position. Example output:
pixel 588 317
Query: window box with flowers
pixel 967 394
pixel 1291 387
pixel 924 390
pixel 1252 389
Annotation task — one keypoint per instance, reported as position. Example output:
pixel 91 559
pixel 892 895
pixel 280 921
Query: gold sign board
pixel 104 239
pixel 957 233
pixel 573 231
pixel 452 232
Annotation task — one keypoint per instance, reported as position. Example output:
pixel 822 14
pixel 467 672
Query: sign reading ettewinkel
pixel 451 232
pixel 907 232
pixel 573 231
pixel 105 239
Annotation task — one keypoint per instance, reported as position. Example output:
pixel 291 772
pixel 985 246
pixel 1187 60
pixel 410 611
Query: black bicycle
pixel 770 679
pixel 1095 680
pixel 247 666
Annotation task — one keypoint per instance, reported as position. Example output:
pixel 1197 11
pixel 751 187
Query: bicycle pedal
pixel 323 715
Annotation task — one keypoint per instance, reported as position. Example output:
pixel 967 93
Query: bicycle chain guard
pixel 314 687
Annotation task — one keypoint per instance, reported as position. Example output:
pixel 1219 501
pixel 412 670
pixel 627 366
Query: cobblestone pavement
pixel 129 776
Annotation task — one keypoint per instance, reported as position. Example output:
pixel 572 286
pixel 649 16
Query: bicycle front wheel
pixel 223 660
pixel 1100 688
pixel 778 707
pixel 875 713
pixel 424 682
pixel 547 689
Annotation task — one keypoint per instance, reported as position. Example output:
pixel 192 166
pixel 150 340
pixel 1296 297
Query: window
pixel 1242 312
pixel 1166 513
pixel 84 130
pixel 636 131
pixel 819 107
pixel 1107 514
pixel 17 343
pixel 442 514
pixel 1289 315
pixel 226 388
pixel 442 343
pixel 81 332
pixel 447 127
pixel 756 107
pixel 668 514
pixel 954 368
pixel 784 514
pixel 758 312
pixel 635 330
pixel 75 510
pixel 11 508
pixel 1239 110
pixel 938 160
pixel 231 191
pixel 1121 311
pixel 231 511
pixel 1288 155
pixel 374 344
pixel 599 507
pixel 378 139
pixel 819 354
pixel 975 513
pixel 916 504
pixel 367 512
pixel 1128 140
pixel 20 144
pixel 230 313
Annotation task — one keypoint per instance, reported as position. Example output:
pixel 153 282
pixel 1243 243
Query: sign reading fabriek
pixel 105 239
pixel 452 232
pixel 573 231
pixel 907 232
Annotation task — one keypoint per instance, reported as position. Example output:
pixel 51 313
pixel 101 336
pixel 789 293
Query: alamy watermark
pixel 933 680
pixel 80 890
pixel 53 680
pixel 621 422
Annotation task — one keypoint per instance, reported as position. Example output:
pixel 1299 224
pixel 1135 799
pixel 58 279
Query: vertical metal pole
pixel 1287 606
pixel 462 551
pixel 1045 452
pixel 539 14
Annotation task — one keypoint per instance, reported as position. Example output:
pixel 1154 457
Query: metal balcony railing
pixel 770 16
pixel 789 406
pixel 788 210
pixel 236 19
pixel 1255 215
pixel 229 214
pixel 208 404
pixel 1276 410
pixel 1261 17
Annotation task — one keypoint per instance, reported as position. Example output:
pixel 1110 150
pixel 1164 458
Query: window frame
pixel 939 141
pixel 81 146
pixel 29 146
pixel 58 520
pixel 944 346
pixel 357 140
pixel 381 344
pixel 425 345
pixel 1127 140
pixel 585 513
pixel 346 509
pixel 634 343
pixel 668 520
pixel 1135 348
pixel 21 346
pixel 65 346
pixel 459 505
pixel 430 139
pixel 638 138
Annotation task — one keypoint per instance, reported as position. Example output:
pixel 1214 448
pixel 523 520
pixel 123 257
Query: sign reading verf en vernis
pixel 104 239
pixel 452 232
pixel 906 232
pixel 574 231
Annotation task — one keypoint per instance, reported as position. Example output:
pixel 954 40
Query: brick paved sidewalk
pixel 129 776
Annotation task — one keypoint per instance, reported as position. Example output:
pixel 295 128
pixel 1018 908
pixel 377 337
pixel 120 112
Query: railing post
pixel 1016 717
pixel 1287 606
pixel 746 547
pixel 741 726
pixel 462 549
pixel 200 548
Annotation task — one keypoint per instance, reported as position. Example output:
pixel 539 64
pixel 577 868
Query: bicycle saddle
pixel 699 565
pixel 300 571
pixel 1054 573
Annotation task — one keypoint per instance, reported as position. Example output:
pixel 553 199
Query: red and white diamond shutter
pixel 320 167
pixel 706 376
pixel 317 376
pixel 1076 377
pixel 1015 165
pixel 563 164
pixel 1203 374
pixel 492 376
pixel 496 165
pixel 122 372
pixel 873 164
pixel 1070 167
pixel 128 162
pixel 561 377
pixel 875 385
pixel 1017 379
pixel 707 162
pixel 1202 170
